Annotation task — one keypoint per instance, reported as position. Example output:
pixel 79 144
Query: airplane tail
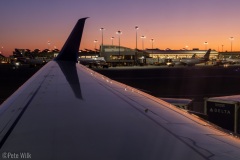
pixel 206 56
pixel 70 49
pixel 194 56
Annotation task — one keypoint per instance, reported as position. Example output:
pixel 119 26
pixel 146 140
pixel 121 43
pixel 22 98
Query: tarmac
pixel 11 79
pixel 196 82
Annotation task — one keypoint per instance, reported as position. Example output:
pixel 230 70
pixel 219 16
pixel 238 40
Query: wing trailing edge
pixel 70 49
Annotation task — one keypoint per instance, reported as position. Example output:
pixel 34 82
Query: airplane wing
pixel 67 111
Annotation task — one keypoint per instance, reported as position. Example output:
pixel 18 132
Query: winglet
pixel 70 49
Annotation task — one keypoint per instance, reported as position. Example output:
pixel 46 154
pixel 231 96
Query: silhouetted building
pixel 121 55
pixel 226 54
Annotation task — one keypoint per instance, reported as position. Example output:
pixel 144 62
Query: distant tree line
pixel 49 54
pixel 35 53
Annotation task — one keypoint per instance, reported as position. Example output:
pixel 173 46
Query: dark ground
pixel 12 79
pixel 178 82
pixel 194 83
pixel 184 82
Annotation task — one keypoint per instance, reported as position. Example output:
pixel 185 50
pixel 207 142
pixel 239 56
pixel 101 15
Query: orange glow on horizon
pixel 177 42
pixel 172 24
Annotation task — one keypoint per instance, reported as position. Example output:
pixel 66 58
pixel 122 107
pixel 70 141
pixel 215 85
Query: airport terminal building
pixel 125 56
pixel 178 54
pixel 118 55
pixel 234 54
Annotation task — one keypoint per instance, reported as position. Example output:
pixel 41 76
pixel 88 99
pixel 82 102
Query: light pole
pixel 231 39
pixel 152 40
pixel 143 37
pixel 119 33
pixel 112 40
pixel 102 29
pixel 222 47
pixel 2 50
pixel 95 42
pixel 205 43
pixel 48 45
pixel 136 28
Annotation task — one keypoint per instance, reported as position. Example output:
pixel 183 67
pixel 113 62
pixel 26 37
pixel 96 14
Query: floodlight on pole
pixel 48 45
pixel 119 33
pixel 231 39
pixel 136 28
pixel 102 29
pixel 152 40
pixel 143 37
pixel 205 43
pixel 95 42
pixel 112 40
pixel 1 50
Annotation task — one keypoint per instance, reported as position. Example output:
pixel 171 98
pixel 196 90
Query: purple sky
pixel 172 24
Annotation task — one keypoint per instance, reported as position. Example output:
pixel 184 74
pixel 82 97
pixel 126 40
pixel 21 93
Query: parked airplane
pixel 186 61
pixel 227 61
pixel 233 60
pixel 194 55
pixel 194 60
pixel 67 111
pixel 93 62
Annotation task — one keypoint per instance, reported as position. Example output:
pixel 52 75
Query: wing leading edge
pixel 67 111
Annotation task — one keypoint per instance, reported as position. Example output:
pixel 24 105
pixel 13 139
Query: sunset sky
pixel 172 24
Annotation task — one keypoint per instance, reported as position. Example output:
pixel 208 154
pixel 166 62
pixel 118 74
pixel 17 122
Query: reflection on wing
pixel 70 72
